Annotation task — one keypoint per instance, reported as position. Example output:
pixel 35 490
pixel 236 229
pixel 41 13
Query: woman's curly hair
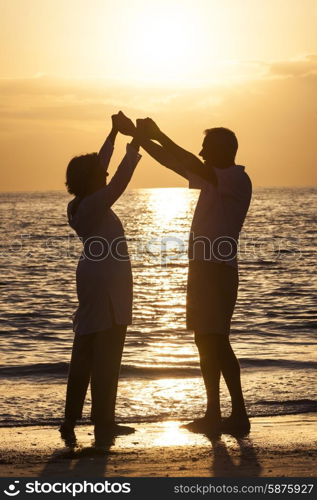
pixel 81 173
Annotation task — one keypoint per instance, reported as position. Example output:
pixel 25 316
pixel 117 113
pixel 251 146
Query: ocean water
pixel 273 329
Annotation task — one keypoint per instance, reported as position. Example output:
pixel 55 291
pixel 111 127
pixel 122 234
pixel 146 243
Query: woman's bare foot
pixel 68 433
pixel 105 434
pixel 122 430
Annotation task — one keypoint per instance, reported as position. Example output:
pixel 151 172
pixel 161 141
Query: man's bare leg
pixel 230 369
pixel 211 371
pixel 216 357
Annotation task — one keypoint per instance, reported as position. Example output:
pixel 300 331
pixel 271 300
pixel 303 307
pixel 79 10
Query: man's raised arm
pixel 161 155
pixel 168 153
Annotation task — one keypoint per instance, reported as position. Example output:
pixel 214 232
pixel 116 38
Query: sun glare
pixel 167 204
pixel 166 43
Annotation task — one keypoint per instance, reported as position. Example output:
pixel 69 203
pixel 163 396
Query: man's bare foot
pixel 205 425
pixel 236 425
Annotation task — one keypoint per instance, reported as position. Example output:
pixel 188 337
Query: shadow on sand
pixel 224 459
pixel 225 464
pixel 78 462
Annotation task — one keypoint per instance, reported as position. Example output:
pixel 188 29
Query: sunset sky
pixel 66 66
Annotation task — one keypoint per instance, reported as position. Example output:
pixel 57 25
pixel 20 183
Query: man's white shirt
pixel 219 215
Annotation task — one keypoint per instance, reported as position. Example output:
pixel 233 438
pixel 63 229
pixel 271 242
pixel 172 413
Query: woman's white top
pixel 103 276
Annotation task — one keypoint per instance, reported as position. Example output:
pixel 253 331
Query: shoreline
pixel 276 446
pixel 139 423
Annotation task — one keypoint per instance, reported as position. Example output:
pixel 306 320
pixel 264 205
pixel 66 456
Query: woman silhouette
pixel 104 285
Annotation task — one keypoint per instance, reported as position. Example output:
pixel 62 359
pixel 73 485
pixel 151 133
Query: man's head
pixel 219 147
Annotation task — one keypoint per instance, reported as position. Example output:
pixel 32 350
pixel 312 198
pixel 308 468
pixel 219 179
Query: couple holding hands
pixel 104 276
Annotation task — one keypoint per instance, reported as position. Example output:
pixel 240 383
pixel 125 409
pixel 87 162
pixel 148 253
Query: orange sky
pixel 245 64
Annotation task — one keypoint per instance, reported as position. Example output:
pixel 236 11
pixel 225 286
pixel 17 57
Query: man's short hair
pixel 224 137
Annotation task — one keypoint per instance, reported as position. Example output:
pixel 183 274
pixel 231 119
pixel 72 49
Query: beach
pixel 278 446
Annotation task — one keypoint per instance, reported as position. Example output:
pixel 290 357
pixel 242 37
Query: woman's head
pixel 84 175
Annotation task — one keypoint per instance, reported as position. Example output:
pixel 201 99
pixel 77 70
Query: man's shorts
pixel 211 296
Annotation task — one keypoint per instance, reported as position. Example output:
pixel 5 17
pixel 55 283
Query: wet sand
pixel 277 446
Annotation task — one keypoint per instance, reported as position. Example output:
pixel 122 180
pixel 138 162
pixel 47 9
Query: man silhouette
pixel 225 194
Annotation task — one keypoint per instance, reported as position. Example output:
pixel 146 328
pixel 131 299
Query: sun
pixel 166 43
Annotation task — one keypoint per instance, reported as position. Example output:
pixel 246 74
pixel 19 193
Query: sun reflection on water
pixel 172 435
pixel 168 204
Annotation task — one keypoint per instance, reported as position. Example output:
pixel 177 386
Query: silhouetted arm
pixel 189 161
pixel 108 195
pixel 106 149
pixel 177 159
pixel 120 123
pixel 169 154
pixel 162 156
pixel 123 175
pixel 174 149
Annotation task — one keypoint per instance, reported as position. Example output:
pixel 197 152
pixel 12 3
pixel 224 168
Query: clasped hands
pixel 145 128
